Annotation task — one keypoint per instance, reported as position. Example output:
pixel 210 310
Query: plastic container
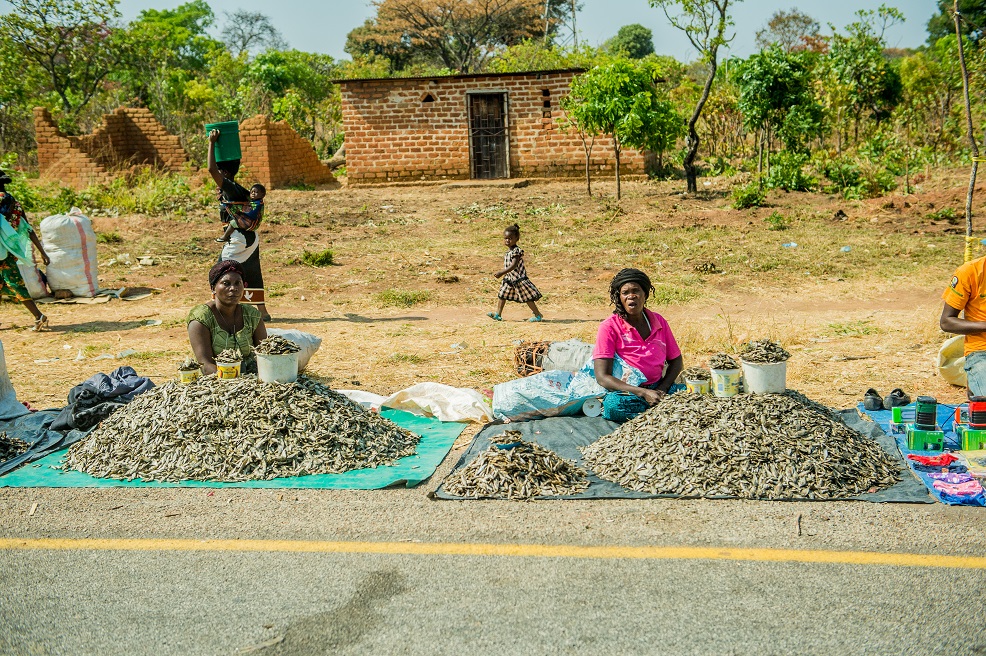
pixel 769 378
pixel 725 382
pixel 592 407
pixel 227 370
pixel 698 386
pixel 277 368
pixel 189 376
pixel 228 145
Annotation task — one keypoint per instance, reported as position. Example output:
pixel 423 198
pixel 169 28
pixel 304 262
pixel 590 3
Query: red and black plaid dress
pixel 516 286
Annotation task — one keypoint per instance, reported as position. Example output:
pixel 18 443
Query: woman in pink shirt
pixel 643 340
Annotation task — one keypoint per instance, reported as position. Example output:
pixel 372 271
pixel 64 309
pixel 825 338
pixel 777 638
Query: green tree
pixel 251 31
pixel 790 30
pixel 460 35
pixel 942 23
pixel 775 87
pixel 75 42
pixel 862 79
pixel 704 22
pixel 932 85
pixel 621 100
pixel 634 41
pixel 533 55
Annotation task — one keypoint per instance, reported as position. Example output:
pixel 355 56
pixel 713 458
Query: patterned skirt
pixel 519 291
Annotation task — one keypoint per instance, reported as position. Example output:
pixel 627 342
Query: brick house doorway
pixel 488 135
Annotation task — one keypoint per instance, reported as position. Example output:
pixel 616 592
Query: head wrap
pixel 623 277
pixel 4 178
pixel 223 267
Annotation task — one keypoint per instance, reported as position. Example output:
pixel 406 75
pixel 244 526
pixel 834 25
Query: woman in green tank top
pixel 224 322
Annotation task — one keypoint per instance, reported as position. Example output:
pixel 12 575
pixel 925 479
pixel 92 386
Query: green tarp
pixel 436 441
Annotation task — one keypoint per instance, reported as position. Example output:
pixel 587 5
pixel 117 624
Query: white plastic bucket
pixel 698 386
pixel 277 368
pixel 725 382
pixel 769 378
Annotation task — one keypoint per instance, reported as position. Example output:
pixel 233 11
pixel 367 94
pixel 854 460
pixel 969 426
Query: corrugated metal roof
pixel 456 77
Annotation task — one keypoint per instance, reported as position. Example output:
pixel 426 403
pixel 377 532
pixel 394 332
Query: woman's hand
pixel 45 258
pixel 651 397
pixel 497 274
pixel 213 136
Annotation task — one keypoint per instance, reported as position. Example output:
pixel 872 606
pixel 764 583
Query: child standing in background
pixel 516 286
pixel 243 216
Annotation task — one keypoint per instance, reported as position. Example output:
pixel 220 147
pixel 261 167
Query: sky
pixel 322 25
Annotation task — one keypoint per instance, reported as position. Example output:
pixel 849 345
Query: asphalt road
pixel 223 600
pixel 225 603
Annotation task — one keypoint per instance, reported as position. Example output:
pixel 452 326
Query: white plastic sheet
pixel 10 407
pixel 444 402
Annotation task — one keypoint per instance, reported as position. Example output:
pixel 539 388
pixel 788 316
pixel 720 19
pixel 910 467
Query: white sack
pixel 70 242
pixel 444 402
pixel 569 355
pixel 32 279
pixel 10 408
pixel 951 361
pixel 368 400
pixel 555 393
pixel 306 341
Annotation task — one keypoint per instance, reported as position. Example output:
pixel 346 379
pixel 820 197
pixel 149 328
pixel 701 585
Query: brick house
pixel 479 126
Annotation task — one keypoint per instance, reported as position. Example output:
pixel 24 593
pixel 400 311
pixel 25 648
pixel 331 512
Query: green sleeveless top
pixel 221 338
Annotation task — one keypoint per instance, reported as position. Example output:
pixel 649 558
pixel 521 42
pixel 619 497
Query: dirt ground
pixel 853 319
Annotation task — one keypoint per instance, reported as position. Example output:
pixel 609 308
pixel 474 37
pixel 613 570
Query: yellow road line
pixel 500 550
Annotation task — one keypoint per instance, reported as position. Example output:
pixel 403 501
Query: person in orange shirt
pixel 966 295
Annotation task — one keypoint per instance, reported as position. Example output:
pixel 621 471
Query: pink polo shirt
pixel 617 337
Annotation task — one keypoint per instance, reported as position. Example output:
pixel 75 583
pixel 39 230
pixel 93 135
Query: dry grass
pixel 388 318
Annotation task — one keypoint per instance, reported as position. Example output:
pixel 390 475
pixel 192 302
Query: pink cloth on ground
pixel 970 489
pixel 617 337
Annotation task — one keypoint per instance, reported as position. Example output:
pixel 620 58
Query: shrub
pixel 777 221
pixel 402 297
pixel 720 166
pixel 857 179
pixel 944 214
pixel 787 172
pixel 752 195
pixel 318 258
pixel 111 237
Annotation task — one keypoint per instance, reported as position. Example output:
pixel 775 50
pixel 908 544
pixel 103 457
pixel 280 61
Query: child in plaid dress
pixel 516 286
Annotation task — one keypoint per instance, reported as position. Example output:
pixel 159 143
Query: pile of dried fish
pixel 229 355
pixel 722 362
pixel 276 345
pixel 697 373
pixel 11 447
pixel 512 468
pixel 756 446
pixel 764 351
pixel 238 430
pixel 189 364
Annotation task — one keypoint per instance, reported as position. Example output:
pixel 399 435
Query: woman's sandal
pixel 536 318
pixel 40 324
pixel 494 316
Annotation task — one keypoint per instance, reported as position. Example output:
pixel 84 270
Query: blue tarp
pixel 946 421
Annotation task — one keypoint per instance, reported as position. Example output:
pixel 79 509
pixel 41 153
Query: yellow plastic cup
pixel 227 370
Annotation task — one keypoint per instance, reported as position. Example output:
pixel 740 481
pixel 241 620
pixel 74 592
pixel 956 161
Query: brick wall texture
pixel 392 135
pixel 126 137
pixel 277 156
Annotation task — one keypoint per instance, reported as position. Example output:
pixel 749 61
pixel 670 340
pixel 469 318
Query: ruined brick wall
pixel 125 137
pixel 277 156
pixel 394 134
